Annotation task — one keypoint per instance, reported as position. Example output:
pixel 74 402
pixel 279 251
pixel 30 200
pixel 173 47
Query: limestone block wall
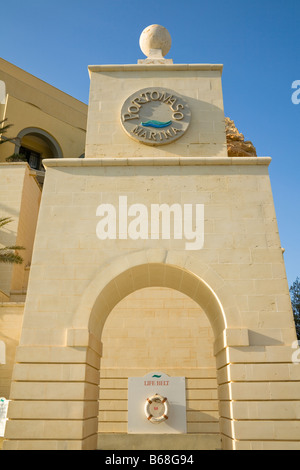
pixel 30 205
pixel 158 329
pixel 265 387
pixel 76 280
pixel 22 115
pixel 20 200
pixel 11 184
pixel 11 318
pixel 201 87
pixel 31 102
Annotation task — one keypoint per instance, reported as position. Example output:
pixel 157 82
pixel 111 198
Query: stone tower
pixel 156 254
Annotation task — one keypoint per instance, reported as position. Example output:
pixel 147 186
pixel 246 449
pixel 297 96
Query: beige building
pixel 155 254
pixel 46 123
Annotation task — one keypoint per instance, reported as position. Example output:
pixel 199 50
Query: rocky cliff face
pixel 236 144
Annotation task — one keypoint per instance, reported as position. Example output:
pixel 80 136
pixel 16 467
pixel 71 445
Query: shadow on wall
pixel 257 339
pixel 212 141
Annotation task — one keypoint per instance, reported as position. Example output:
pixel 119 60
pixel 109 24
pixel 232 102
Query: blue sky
pixel 257 41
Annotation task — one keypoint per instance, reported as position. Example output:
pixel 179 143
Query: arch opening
pixel 203 425
pixel 161 330
pixel 156 275
pixel 36 144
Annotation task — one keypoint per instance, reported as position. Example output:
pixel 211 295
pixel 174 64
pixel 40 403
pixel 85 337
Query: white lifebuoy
pixel 157 409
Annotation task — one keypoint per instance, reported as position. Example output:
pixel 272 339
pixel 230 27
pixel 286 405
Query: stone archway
pixel 66 378
pixel 157 275
pixel 39 141
pixel 96 307
pixel 158 329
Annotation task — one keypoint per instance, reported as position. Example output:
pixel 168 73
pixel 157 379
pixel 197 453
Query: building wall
pixel 11 317
pixel 112 85
pixel 20 200
pixel 12 179
pixel 76 280
pixel 80 329
pixel 32 103
pixel 30 204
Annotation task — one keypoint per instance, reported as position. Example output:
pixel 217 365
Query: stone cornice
pixel 155 67
pixel 156 161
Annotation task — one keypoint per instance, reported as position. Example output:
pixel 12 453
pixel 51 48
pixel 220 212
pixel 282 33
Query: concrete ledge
pixel 119 441
pixel 24 164
pixel 90 443
pixel 12 304
pixel 235 337
pixel 156 161
pixel 83 338
pixel 156 67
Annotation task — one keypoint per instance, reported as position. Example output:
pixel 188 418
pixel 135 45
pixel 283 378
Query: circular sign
pixel 155 116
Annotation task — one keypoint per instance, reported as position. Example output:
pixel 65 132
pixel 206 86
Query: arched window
pixel 36 144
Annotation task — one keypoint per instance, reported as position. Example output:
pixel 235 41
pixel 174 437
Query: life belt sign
pixel 157 409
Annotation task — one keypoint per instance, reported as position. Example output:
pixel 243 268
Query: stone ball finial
pixel 155 38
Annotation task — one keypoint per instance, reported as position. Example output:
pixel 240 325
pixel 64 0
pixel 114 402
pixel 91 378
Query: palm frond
pixel 8 253
pixel 8 256
pixel 5 220
pixel 3 130
pixel 14 247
